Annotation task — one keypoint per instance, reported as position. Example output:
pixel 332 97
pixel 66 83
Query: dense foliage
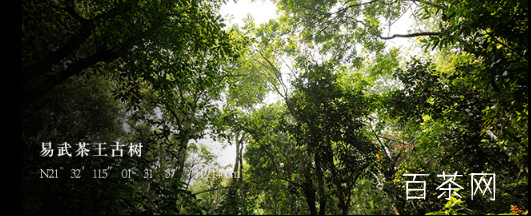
pixel 356 117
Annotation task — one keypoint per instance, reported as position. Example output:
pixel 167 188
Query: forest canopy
pixel 118 96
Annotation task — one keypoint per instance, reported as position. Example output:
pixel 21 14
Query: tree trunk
pixel 341 204
pixel 237 171
pixel 181 158
pixel 310 194
pixel 320 181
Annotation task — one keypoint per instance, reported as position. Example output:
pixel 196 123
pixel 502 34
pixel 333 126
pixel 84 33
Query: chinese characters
pixel 449 186
pixel 83 149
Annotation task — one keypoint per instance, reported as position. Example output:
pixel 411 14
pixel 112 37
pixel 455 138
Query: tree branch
pixel 105 55
pixel 85 30
pixel 395 35
pixel 214 189
pixel 429 3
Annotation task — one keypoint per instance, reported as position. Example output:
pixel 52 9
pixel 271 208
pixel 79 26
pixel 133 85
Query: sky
pixel 261 11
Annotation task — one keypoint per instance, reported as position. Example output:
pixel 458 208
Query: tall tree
pixel 330 124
